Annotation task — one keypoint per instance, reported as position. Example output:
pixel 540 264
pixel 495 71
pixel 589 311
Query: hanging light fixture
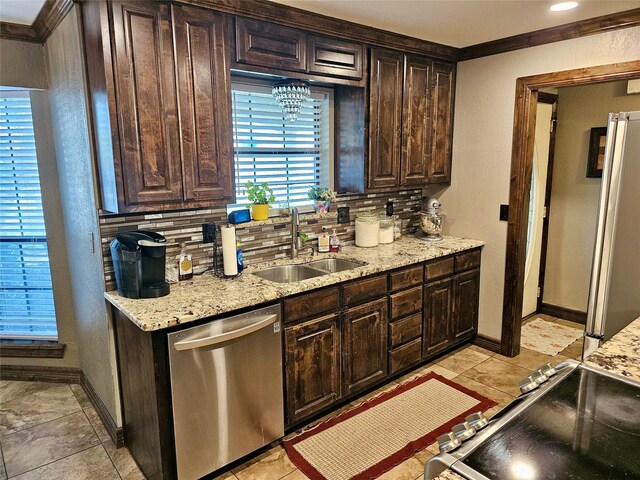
pixel 291 94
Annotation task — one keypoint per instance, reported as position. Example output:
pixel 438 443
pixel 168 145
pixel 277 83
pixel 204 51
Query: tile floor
pixel 51 431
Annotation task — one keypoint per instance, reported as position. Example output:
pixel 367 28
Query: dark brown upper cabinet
pixel 269 45
pixel 410 120
pixel 338 58
pixel 146 103
pixel 443 86
pixel 385 115
pixel 204 79
pixel 272 47
pixel 159 86
pixel 417 118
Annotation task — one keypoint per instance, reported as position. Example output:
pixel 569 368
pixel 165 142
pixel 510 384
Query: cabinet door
pixel 269 45
pixel 364 341
pixel 312 366
pixel 438 316
pixel 467 291
pixel 385 110
pixel 442 99
pixel 417 121
pixel 330 56
pixel 150 168
pixel 204 78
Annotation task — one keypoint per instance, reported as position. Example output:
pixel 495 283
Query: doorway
pixel 527 90
pixel 539 199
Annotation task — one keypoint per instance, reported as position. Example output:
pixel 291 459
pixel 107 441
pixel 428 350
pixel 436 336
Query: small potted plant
pixel 260 196
pixel 322 197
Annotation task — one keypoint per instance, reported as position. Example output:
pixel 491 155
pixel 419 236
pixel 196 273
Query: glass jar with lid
pixel 367 229
pixel 386 229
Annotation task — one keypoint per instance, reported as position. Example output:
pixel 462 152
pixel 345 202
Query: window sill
pixel 272 220
pixel 31 348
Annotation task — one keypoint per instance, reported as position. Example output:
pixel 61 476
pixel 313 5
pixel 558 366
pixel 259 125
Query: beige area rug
pixel 373 437
pixel 548 337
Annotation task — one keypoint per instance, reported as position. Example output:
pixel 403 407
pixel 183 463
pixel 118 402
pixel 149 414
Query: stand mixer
pixel 430 221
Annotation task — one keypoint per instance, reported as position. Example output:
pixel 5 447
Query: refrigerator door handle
pixel 612 168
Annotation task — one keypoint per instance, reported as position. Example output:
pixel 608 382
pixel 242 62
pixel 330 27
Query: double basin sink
pixel 313 269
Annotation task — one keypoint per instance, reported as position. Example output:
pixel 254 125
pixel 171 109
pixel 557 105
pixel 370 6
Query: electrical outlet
pixel 343 215
pixel 504 213
pixel 209 232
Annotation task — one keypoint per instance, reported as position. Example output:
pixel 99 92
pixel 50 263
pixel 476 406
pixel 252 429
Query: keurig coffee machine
pixel 139 259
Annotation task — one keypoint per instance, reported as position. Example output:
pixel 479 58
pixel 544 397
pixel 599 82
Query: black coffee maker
pixel 139 259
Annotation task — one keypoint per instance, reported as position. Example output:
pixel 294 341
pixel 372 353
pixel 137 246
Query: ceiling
pixel 459 23
pixel 23 12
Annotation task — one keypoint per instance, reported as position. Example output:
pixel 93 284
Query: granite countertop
pixel 207 295
pixel 620 355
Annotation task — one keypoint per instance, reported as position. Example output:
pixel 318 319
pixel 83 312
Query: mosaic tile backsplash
pixel 261 241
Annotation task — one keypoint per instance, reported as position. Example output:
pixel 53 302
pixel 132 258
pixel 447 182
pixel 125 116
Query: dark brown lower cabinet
pixel 438 315
pixel 312 366
pixel 364 345
pixel 466 290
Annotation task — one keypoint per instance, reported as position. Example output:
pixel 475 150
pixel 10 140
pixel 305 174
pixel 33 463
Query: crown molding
pixel 591 26
pixel 47 20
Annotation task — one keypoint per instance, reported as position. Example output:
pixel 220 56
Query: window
pixel 26 296
pixel 291 157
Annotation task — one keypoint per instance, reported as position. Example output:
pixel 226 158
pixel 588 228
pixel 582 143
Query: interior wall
pixel 22 64
pixel 482 139
pixel 63 52
pixel 574 197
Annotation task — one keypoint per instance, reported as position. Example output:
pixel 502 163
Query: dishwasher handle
pixel 259 324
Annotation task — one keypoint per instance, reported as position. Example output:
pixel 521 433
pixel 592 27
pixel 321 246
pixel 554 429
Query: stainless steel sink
pixel 289 273
pixel 297 273
pixel 333 265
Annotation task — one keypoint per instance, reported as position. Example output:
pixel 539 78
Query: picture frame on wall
pixel 595 162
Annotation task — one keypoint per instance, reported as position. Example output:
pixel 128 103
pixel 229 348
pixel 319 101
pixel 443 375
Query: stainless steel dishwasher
pixel 226 386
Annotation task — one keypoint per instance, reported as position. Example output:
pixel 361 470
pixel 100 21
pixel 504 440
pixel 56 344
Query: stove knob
pixel 477 420
pixel 463 431
pixel 528 384
pixel 448 442
pixel 539 377
pixel 547 370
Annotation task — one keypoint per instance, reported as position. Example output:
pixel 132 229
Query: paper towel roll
pixel 229 259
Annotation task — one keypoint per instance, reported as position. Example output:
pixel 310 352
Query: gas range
pixel 581 423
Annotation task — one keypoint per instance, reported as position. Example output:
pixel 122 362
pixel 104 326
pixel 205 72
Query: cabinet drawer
pixel 438 268
pixel 405 329
pixel 404 303
pixel 330 56
pixel 365 289
pixel 406 278
pixel 311 304
pixel 269 45
pixel 467 261
pixel 405 356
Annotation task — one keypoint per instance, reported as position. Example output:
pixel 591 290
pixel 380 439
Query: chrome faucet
pixel 296 241
pixel 297 245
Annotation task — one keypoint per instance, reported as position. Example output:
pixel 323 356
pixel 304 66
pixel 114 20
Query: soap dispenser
pixel 334 242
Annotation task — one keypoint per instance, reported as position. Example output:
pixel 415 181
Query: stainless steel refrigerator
pixel 614 293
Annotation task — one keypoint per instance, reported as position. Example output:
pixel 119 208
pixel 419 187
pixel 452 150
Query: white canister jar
pixel 367 230
pixel 386 229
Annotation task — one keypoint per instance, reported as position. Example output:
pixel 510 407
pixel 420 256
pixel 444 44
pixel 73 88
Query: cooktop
pixel 584 426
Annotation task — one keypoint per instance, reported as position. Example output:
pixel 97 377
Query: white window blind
pixel 290 157
pixel 26 296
